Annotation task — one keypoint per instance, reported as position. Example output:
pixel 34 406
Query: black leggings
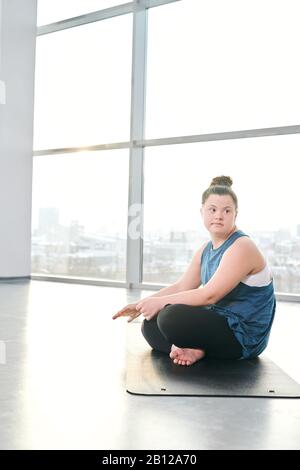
pixel 193 327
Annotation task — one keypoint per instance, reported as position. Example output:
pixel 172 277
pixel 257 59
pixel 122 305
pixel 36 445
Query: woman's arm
pixel 172 289
pixel 190 297
pixel 189 280
pixel 237 262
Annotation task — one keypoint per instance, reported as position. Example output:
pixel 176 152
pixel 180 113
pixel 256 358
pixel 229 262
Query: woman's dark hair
pixel 220 185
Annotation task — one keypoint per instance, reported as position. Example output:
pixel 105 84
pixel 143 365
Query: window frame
pixel 137 142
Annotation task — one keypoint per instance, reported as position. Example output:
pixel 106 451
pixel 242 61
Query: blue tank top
pixel 249 310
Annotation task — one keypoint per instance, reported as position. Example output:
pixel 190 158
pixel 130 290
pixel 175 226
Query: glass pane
pixel 220 65
pixel 265 179
pixel 50 11
pixel 79 215
pixel 82 85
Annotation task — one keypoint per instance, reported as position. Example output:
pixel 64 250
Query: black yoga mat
pixel 153 373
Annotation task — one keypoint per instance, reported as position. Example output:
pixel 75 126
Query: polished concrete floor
pixel 62 380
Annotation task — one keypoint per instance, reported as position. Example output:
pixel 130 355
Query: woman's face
pixel 219 214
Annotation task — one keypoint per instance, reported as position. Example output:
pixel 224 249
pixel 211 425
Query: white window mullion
pixel 135 197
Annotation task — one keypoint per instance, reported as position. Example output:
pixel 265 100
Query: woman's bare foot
pixel 186 356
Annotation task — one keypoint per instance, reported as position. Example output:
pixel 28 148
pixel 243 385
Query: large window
pixel 79 225
pixel 82 91
pixel 82 98
pixel 181 70
pixel 267 189
pixel 216 65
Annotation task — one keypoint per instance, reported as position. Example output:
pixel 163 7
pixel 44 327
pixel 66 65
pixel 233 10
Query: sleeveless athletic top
pixel 249 309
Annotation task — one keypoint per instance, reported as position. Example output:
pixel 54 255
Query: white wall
pixel 17 58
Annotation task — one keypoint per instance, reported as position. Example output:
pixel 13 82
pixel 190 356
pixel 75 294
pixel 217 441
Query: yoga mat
pixel 153 373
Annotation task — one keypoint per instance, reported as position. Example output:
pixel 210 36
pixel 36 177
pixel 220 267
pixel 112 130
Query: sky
pixel 206 72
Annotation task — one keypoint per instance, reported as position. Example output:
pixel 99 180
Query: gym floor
pixel 62 385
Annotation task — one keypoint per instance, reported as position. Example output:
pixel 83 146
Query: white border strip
pixel 2 91
pixel 2 83
pixel 2 353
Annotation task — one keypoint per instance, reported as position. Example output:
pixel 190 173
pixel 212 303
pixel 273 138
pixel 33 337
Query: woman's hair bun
pixel 221 181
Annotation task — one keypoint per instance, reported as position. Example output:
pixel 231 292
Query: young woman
pixel 231 315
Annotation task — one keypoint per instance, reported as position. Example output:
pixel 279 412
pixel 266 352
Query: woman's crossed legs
pixel 188 333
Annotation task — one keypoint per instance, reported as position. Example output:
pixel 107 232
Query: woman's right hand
pixel 128 311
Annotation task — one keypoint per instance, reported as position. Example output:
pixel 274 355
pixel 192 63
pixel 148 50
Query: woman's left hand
pixel 151 306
